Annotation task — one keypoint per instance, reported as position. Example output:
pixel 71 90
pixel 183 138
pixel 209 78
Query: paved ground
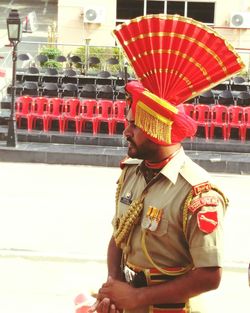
pixel 54 228
pixel 34 286
pixel 44 15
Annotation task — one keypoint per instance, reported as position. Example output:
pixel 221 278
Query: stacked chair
pixel 57 113
pixel 54 100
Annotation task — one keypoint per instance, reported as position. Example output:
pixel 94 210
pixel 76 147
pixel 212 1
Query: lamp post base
pixel 12 135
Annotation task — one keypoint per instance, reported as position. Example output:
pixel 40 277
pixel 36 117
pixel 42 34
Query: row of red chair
pixel 75 110
pixel 220 116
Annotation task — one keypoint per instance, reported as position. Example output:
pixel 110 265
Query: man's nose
pixel 127 132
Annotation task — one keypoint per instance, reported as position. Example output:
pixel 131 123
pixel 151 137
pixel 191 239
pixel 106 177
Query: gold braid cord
pixel 128 221
pixel 188 201
pixel 164 271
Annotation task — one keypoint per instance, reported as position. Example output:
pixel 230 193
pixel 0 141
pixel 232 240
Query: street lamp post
pixel 87 41
pixel 14 27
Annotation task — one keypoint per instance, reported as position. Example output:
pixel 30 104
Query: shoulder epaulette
pixel 129 161
pixel 194 174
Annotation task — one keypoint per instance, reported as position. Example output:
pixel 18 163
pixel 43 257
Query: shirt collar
pixel 172 169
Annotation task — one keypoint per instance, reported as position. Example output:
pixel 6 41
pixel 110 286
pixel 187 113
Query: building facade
pixel 94 20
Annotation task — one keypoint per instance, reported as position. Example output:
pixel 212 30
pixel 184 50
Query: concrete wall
pixel 71 26
pixel 238 37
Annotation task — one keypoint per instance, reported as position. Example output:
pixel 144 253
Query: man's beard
pixel 132 150
pixel 143 152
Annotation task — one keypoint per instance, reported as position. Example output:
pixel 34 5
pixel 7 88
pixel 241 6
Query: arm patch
pixel 207 221
pixel 201 202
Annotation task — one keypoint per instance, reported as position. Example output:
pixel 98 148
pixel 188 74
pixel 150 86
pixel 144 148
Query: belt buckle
pixel 129 274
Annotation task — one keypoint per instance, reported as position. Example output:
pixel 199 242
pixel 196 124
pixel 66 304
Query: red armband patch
pixel 201 202
pixel 204 187
pixel 207 221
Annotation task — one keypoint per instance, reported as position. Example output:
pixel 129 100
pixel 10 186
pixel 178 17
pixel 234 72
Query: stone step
pixel 5 102
pixel 117 140
pixel 4 115
pixel 54 153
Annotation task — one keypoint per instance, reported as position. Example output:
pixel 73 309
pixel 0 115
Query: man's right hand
pixel 103 306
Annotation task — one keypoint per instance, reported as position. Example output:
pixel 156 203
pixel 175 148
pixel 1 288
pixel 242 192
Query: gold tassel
pixel 153 126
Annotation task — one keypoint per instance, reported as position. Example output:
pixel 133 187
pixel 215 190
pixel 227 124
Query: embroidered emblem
pixel 127 199
pixel 203 187
pixel 207 221
pixel 201 202
pixel 152 219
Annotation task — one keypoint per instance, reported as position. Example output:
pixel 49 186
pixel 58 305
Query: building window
pixel 176 7
pixel 201 11
pixel 155 7
pixel 127 9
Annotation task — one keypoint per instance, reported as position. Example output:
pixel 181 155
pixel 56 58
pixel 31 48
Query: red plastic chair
pixel 71 109
pixel 202 117
pixel 119 114
pixel 105 114
pixel 246 121
pixel 39 110
pixel 189 109
pixel 219 118
pixel 88 112
pixel 235 120
pixel 55 107
pixel 23 109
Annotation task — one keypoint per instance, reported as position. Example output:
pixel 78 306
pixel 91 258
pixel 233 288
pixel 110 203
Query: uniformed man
pixel 167 227
pixel 167 239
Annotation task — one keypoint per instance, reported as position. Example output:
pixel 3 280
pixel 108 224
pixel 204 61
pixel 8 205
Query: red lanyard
pixel 161 164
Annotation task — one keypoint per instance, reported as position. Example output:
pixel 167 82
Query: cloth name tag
pixel 127 199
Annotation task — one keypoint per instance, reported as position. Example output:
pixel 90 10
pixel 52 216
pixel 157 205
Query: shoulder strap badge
pixel 203 187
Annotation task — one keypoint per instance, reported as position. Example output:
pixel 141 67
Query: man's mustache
pixel 130 140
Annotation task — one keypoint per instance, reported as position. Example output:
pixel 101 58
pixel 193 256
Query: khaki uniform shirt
pixel 167 245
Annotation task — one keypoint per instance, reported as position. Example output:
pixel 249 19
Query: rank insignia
pixel 201 202
pixel 127 199
pixel 204 187
pixel 207 221
pixel 152 219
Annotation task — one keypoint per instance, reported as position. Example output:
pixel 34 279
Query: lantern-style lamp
pixel 14 26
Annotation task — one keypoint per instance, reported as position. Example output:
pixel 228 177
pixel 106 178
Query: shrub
pixel 53 64
pixel 50 52
pixel 103 53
